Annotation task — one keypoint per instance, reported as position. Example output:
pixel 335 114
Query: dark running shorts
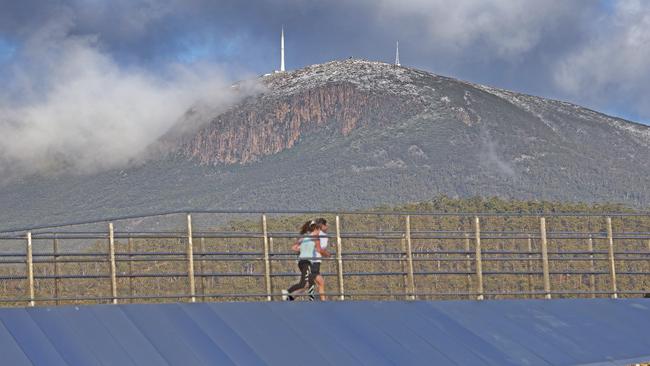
pixel 315 268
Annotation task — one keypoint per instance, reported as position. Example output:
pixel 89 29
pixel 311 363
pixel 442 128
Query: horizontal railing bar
pixel 415 252
pixel 72 254
pixel 353 259
pixel 354 213
pixel 357 232
pixel 282 256
pixel 71 276
pixel 247 259
pixel 12 278
pixel 350 235
pixel 292 274
pixel 176 257
pixel 576 259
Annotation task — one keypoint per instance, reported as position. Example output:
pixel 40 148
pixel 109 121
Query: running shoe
pixel 311 293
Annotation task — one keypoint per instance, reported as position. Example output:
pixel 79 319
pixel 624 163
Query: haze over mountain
pixel 354 134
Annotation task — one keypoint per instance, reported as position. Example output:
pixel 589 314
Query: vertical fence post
pixel 592 277
pixel 612 263
pixel 130 249
pixel 547 278
pixel 190 259
pixel 267 262
pixel 468 265
pixel 111 258
pixel 478 259
pixel 409 259
pixel 530 267
pixel 271 261
pixel 648 245
pixel 30 269
pixel 55 252
pixel 404 265
pixel 339 258
pixel 202 266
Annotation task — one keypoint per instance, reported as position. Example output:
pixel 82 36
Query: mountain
pixel 355 134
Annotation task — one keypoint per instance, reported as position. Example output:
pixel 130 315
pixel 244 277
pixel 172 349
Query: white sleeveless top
pixel 323 244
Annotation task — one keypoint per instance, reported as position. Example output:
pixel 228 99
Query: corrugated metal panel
pixel 30 338
pixel 508 332
pixel 11 354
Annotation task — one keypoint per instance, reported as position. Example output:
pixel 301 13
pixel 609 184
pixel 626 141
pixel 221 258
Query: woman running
pixel 308 246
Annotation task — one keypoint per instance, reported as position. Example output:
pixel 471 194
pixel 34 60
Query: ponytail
pixel 308 227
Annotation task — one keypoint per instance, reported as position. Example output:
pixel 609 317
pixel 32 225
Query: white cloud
pixel 613 64
pixel 71 107
pixel 506 28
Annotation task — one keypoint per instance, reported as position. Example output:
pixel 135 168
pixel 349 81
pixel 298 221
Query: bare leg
pixel 320 282
pixel 305 279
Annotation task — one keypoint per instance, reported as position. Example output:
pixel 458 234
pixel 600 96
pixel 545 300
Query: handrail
pixel 406 263
pixel 191 211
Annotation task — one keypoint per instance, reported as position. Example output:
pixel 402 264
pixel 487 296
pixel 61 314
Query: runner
pixel 307 246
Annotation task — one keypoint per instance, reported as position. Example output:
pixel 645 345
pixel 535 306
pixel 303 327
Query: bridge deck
pixel 506 332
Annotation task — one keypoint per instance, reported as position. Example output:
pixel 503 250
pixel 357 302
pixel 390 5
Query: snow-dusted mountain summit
pixel 352 134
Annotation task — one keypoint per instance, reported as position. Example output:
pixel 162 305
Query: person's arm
pixel 320 250
pixel 296 246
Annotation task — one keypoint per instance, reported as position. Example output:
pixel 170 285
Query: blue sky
pixel 592 53
pixel 7 50
pixel 553 48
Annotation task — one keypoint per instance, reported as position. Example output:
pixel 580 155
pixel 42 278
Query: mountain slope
pixel 352 134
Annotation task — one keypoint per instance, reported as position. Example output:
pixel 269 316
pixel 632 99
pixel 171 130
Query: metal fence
pixel 383 255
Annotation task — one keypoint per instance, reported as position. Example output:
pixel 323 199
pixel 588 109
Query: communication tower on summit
pixel 397 55
pixel 282 50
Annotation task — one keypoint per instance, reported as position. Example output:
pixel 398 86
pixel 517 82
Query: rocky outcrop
pixel 271 123
pixel 372 133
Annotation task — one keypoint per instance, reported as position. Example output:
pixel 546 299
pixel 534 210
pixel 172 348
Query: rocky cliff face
pixel 398 134
pixel 342 96
pixel 296 103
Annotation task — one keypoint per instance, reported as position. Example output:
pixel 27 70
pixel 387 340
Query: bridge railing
pixel 191 256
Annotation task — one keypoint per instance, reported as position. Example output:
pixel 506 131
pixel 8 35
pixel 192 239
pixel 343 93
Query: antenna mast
pixel 282 50
pixel 397 55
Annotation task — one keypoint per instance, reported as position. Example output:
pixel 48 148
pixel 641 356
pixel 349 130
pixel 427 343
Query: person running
pixel 307 246
pixel 319 280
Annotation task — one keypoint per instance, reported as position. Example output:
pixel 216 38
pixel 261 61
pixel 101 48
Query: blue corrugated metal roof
pixel 506 332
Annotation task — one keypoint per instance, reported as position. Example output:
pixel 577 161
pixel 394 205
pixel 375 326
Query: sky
pixel 85 82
